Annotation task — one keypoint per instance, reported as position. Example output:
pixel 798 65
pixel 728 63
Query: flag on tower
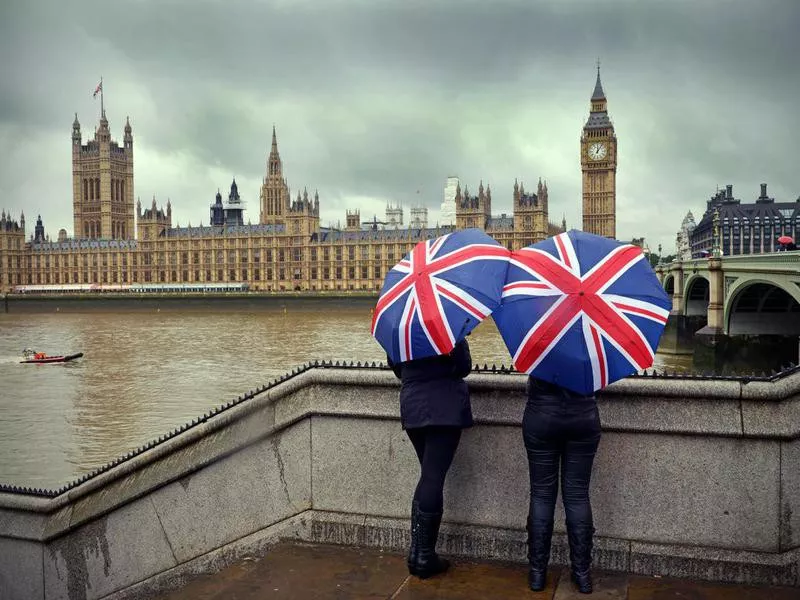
pixel 98 89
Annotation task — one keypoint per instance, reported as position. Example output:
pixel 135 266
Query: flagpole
pixel 102 108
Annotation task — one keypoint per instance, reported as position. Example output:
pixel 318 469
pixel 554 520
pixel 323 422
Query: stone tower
pixel 274 195
pixel 102 184
pixel 418 218
pixel 153 222
pixel 353 220
pixel 303 215
pixel 12 252
pixel 530 212
pixel 394 214
pixel 599 168
pixel 473 211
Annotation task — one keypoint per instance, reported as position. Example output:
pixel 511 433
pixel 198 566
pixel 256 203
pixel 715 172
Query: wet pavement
pixel 320 572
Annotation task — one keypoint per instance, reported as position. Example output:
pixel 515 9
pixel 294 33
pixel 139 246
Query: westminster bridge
pixel 734 312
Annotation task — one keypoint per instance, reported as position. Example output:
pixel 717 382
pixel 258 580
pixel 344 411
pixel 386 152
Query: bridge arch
pixel 696 296
pixel 669 284
pixel 763 307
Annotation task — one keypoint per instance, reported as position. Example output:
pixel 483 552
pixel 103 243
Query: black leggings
pixel 435 448
pixel 561 435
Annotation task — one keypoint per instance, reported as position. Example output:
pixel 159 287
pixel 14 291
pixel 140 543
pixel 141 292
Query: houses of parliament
pixel 118 242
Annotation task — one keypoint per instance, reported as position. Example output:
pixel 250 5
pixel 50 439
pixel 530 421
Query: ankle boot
pixel 425 526
pixel 540 533
pixel 580 555
pixel 413 549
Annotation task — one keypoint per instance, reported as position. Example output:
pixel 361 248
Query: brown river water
pixel 151 367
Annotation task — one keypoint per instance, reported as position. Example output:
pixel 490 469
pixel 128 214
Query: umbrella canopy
pixel 581 311
pixel 439 293
pixel 785 239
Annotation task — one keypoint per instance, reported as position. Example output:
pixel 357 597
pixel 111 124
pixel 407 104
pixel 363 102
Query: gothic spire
pixel 598 93
pixel 274 166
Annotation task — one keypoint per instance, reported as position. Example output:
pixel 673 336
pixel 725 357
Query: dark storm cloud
pixel 380 99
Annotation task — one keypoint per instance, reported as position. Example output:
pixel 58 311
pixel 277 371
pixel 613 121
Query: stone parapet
pixel 694 477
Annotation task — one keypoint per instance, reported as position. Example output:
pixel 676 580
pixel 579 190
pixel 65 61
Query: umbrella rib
pixel 640 308
pixel 408 315
pixel 598 358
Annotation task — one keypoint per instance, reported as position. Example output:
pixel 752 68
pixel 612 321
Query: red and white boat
pixel 40 358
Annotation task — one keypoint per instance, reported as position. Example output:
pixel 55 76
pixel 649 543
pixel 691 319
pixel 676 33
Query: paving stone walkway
pixel 320 572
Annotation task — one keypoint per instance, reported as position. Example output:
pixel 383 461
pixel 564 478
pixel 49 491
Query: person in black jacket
pixel 561 430
pixel 434 408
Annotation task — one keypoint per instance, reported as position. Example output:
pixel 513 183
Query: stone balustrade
pixel 694 477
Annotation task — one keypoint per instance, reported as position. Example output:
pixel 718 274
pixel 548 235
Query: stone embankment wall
pixel 694 477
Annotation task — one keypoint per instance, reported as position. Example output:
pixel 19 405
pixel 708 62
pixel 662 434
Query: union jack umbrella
pixel 581 311
pixel 439 293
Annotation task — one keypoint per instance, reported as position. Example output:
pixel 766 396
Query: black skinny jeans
pixel 561 433
pixel 435 448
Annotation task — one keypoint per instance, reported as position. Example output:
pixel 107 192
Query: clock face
pixel 597 151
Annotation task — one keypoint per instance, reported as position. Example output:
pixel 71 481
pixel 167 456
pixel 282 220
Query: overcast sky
pixel 376 99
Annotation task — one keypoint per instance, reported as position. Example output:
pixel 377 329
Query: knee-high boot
pixel 423 560
pixel 540 533
pixel 411 561
pixel 580 555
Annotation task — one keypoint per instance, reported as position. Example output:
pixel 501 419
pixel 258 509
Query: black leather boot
pixel 413 547
pixel 540 533
pixel 580 555
pixel 425 526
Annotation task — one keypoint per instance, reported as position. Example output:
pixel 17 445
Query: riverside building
pixel 745 228
pixel 119 245
pixel 287 250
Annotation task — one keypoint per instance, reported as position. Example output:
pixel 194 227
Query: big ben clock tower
pixel 599 167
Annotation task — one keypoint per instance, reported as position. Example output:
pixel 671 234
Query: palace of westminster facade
pixel 117 242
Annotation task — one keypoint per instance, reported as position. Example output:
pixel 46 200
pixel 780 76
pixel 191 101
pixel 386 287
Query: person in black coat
pixel 561 430
pixel 434 408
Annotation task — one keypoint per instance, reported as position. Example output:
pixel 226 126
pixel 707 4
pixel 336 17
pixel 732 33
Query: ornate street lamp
pixel 716 246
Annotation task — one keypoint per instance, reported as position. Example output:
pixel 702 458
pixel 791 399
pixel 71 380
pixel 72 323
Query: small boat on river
pixel 40 358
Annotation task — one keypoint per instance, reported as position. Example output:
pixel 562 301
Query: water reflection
pixel 149 370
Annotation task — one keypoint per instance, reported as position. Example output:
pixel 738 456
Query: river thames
pixel 148 369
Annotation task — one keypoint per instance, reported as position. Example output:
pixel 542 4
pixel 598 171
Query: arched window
pixel 122 190
pixel 85 189
pixel 86 230
pixel 97 188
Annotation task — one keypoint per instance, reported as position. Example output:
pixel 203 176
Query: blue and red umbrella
pixel 581 311
pixel 439 293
